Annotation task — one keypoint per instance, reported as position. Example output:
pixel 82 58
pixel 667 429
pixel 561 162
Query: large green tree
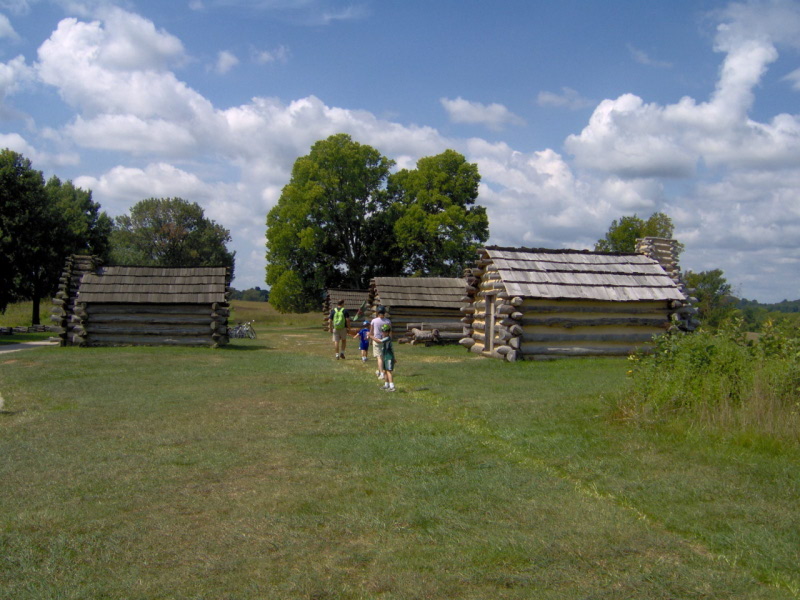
pixel 40 226
pixel 438 225
pixel 329 224
pixel 25 222
pixel 622 235
pixel 170 232
pixel 713 293
pixel 75 226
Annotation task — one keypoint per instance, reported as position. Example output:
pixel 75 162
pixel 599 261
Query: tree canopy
pixel 713 293
pixel 40 225
pixel 343 219
pixel 24 220
pixel 170 232
pixel 326 229
pixel 438 227
pixel 622 235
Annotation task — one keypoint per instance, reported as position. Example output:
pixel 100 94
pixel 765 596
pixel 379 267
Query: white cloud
pixel 13 75
pixel 7 30
pixel 641 57
pixel 16 7
pixel 226 60
pixel 740 213
pixel 568 98
pixel 794 79
pixel 630 138
pixel 263 57
pixel 494 116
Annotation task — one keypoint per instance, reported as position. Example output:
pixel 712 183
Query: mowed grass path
pixel 269 470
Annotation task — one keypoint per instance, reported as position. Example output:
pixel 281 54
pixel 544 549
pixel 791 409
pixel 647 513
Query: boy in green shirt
pixel 388 356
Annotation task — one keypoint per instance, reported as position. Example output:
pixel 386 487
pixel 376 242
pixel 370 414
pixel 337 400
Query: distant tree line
pixel 255 294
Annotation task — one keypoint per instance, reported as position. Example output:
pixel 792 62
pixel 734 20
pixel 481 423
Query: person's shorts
pixel 388 364
pixel 339 334
pixel 377 349
pixel 364 346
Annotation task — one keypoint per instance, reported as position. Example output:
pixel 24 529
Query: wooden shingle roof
pixel 582 275
pixel 157 285
pixel 419 292
pixel 353 299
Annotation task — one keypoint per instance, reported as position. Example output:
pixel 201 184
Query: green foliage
pixel 713 292
pixel 40 226
pixel 342 220
pixel 24 224
pixel 83 229
pixel 255 294
pixel 719 378
pixel 288 294
pixel 755 314
pixel 326 227
pixel 169 232
pixel 438 227
pixel 622 235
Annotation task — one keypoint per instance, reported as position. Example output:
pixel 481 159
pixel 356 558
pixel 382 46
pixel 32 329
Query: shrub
pixel 719 379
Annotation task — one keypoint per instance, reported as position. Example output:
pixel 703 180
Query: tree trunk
pixel 35 317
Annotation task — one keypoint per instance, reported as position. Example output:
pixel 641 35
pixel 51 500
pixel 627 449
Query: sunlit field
pixel 267 469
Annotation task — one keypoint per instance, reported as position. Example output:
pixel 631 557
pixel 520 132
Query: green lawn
pixel 267 469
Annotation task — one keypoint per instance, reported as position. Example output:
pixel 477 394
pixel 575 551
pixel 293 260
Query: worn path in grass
pixel 270 470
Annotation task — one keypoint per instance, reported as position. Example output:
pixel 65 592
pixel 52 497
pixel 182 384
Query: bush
pixel 719 379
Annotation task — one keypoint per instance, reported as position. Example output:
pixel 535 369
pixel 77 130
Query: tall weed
pixel 718 379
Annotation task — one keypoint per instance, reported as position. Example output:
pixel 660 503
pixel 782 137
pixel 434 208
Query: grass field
pixel 269 470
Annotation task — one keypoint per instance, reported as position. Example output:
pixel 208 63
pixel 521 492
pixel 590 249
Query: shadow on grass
pixel 237 348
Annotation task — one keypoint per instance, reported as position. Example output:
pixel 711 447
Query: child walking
pixel 388 356
pixel 363 340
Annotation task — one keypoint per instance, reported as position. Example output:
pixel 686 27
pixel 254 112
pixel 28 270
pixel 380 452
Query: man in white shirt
pixel 375 329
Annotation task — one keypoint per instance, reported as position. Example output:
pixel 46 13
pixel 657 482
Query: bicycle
pixel 242 330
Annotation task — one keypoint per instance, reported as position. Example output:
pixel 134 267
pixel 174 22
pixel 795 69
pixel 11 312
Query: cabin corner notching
pixel 115 305
pixel 538 304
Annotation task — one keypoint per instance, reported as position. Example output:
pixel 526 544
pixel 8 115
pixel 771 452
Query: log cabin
pixel 115 306
pixel 353 301
pixel 541 304
pixel 424 303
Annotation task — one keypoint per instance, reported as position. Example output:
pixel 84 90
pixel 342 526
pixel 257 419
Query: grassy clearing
pixel 19 314
pixel 268 470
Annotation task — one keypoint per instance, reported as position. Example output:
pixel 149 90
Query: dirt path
pixel 25 345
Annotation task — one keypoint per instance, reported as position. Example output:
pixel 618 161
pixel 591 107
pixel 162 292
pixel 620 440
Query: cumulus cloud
pixel 567 98
pixel 226 61
pixel 494 116
pixel 628 137
pixel 736 208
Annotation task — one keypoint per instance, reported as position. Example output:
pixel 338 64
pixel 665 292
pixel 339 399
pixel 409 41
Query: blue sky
pixel 576 112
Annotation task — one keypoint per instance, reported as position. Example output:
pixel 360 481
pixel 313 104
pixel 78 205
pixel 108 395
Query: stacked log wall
pixel 99 324
pixel 683 315
pixel 538 328
pixel 590 328
pixel 406 318
pixel 63 310
pixel 500 338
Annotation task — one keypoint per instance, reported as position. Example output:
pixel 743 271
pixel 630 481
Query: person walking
pixel 375 336
pixel 339 320
pixel 363 341
pixel 388 356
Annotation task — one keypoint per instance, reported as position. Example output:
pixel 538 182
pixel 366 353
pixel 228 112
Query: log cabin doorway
pixel 490 317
